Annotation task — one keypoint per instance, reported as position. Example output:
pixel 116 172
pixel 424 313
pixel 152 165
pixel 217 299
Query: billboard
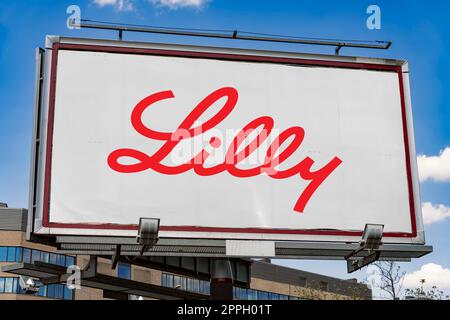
pixel 223 143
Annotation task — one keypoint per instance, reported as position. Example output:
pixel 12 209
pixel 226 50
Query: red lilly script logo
pixel 187 130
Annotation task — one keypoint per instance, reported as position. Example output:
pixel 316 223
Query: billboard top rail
pixel 232 34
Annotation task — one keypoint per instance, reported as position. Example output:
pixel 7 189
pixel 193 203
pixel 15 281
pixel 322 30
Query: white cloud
pixel 434 275
pixel 120 5
pixel 175 4
pixel 435 168
pixel 432 214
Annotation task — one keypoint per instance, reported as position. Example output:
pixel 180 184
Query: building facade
pixel 167 277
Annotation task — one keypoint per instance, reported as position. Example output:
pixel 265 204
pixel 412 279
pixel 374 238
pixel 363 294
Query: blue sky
pixel 419 31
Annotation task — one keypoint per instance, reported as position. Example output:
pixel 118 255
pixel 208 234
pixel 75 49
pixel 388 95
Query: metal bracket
pixel 356 264
pixel 116 256
pixel 338 49
pixel 90 270
pixel 370 242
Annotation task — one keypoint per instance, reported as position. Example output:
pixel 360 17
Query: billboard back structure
pixel 223 144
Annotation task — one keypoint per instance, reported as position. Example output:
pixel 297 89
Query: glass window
pixel 16 287
pixel 26 255
pixel 11 254
pixel 45 257
pixel 243 294
pixel 190 284
pixel 42 291
pixel 67 293
pixel 60 291
pixel 35 256
pixel 183 283
pixel 3 254
pixel 51 291
pixel 204 287
pixel 124 270
pixel 196 285
pixel 19 254
pixel 252 295
pixel 2 285
pixel 263 295
pixel 164 280
pixel 9 282
pixel 61 260
pixel 176 282
pixel 70 261
pixel 56 291
pixel 53 258
pixel 170 280
pixel 237 293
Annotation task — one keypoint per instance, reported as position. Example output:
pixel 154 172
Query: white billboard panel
pixel 222 143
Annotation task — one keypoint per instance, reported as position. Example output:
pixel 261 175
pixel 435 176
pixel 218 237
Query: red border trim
pixel 218 56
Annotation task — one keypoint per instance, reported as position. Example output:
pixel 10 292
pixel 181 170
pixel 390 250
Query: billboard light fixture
pixel 371 241
pixel 148 233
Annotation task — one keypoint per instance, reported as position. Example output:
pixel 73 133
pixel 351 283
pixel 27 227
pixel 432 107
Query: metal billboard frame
pixel 401 247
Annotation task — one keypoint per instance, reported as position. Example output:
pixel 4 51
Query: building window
pixel 61 260
pixel 68 293
pixel 26 255
pixel 51 291
pixel 176 282
pixel 124 271
pixel 35 256
pixel 3 253
pixel 201 286
pixel 11 254
pixel 42 291
pixel 54 291
pixel 9 285
pixel 70 261
pixel 263 295
pixel 53 258
pixel 204 287
pixel 45 257
pixel 196 285
pixel 164 280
